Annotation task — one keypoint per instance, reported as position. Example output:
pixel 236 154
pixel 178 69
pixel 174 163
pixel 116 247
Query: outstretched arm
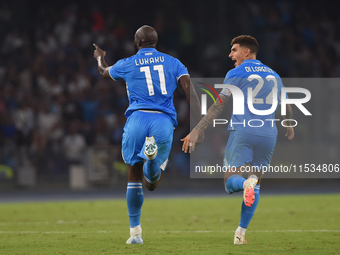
pixel 103 68
pixel 289 115
pixel 190 140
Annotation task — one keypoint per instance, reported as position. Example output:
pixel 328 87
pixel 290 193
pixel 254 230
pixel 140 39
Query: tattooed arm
pixel 190 140
pixel 212 114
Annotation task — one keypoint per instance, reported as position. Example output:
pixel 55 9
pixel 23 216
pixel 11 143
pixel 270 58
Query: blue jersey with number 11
pixel 151 79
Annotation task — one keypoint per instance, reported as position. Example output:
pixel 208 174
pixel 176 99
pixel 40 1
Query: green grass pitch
pixel 295 224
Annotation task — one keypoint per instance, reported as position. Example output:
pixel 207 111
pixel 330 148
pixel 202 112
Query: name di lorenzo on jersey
pixel 258 69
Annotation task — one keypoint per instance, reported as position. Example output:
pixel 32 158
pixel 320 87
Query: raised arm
pixel 289 115
pixel 103 68
pixel 190 140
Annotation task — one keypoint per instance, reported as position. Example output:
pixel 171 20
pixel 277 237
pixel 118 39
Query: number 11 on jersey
pixel 159 68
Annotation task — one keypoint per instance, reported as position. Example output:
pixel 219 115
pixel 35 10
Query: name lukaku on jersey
pixel 151 60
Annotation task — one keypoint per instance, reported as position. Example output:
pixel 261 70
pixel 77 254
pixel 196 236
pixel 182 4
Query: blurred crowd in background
pixel 54 104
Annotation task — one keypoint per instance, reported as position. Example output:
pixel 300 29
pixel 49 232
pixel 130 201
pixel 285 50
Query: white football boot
pixel 239 238
pixel 151 148
pixel 135 235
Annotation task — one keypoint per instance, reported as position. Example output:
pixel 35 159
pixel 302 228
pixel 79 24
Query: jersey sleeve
pixel 230 78
pixel 181 70
pixel 117 71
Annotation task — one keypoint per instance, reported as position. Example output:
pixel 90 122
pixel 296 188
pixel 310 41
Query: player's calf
pixel 151 168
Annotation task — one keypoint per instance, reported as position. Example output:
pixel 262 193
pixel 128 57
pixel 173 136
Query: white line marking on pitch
pixel 259 231
pixel 104 222
pixel 163 232
pixel 55 232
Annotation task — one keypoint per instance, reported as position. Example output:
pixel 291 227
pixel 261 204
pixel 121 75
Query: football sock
pixel 234 183
pixel 152 171
pixel 248 212
pixel 241 230
pixel 134 198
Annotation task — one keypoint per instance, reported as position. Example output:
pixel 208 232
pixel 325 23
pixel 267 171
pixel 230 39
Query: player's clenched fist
pixel 98 52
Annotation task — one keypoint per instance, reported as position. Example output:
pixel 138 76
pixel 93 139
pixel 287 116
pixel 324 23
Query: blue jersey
pixel 262 79
pixel 151 79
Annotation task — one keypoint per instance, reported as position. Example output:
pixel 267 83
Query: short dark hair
pixel 246 41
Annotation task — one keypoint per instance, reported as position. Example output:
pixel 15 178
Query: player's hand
pixel 189 141
pixel 98 52
pixel 290 133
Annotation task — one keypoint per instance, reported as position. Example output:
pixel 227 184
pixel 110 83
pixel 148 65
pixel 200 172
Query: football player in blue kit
pixel 248 145
pixel 151 78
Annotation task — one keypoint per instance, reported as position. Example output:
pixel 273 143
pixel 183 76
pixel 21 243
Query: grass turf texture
pixel 173 226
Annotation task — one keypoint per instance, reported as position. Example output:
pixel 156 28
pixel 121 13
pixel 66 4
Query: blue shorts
pixel 244 148
pixel 146 124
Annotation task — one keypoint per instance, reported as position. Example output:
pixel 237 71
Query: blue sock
pixel 234 183
pixel 134 199
pixel 248 212
pixel 152 171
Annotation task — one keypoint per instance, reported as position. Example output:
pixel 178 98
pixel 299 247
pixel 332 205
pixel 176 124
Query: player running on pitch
pixel 151 79
pixel 247 146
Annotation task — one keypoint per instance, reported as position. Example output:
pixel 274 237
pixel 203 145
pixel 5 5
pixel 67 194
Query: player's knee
pixel 152 179
pixel 226 189
pixel 151 186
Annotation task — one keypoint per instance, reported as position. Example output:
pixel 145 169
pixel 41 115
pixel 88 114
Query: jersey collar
pixel 254 61
pixel 145 50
